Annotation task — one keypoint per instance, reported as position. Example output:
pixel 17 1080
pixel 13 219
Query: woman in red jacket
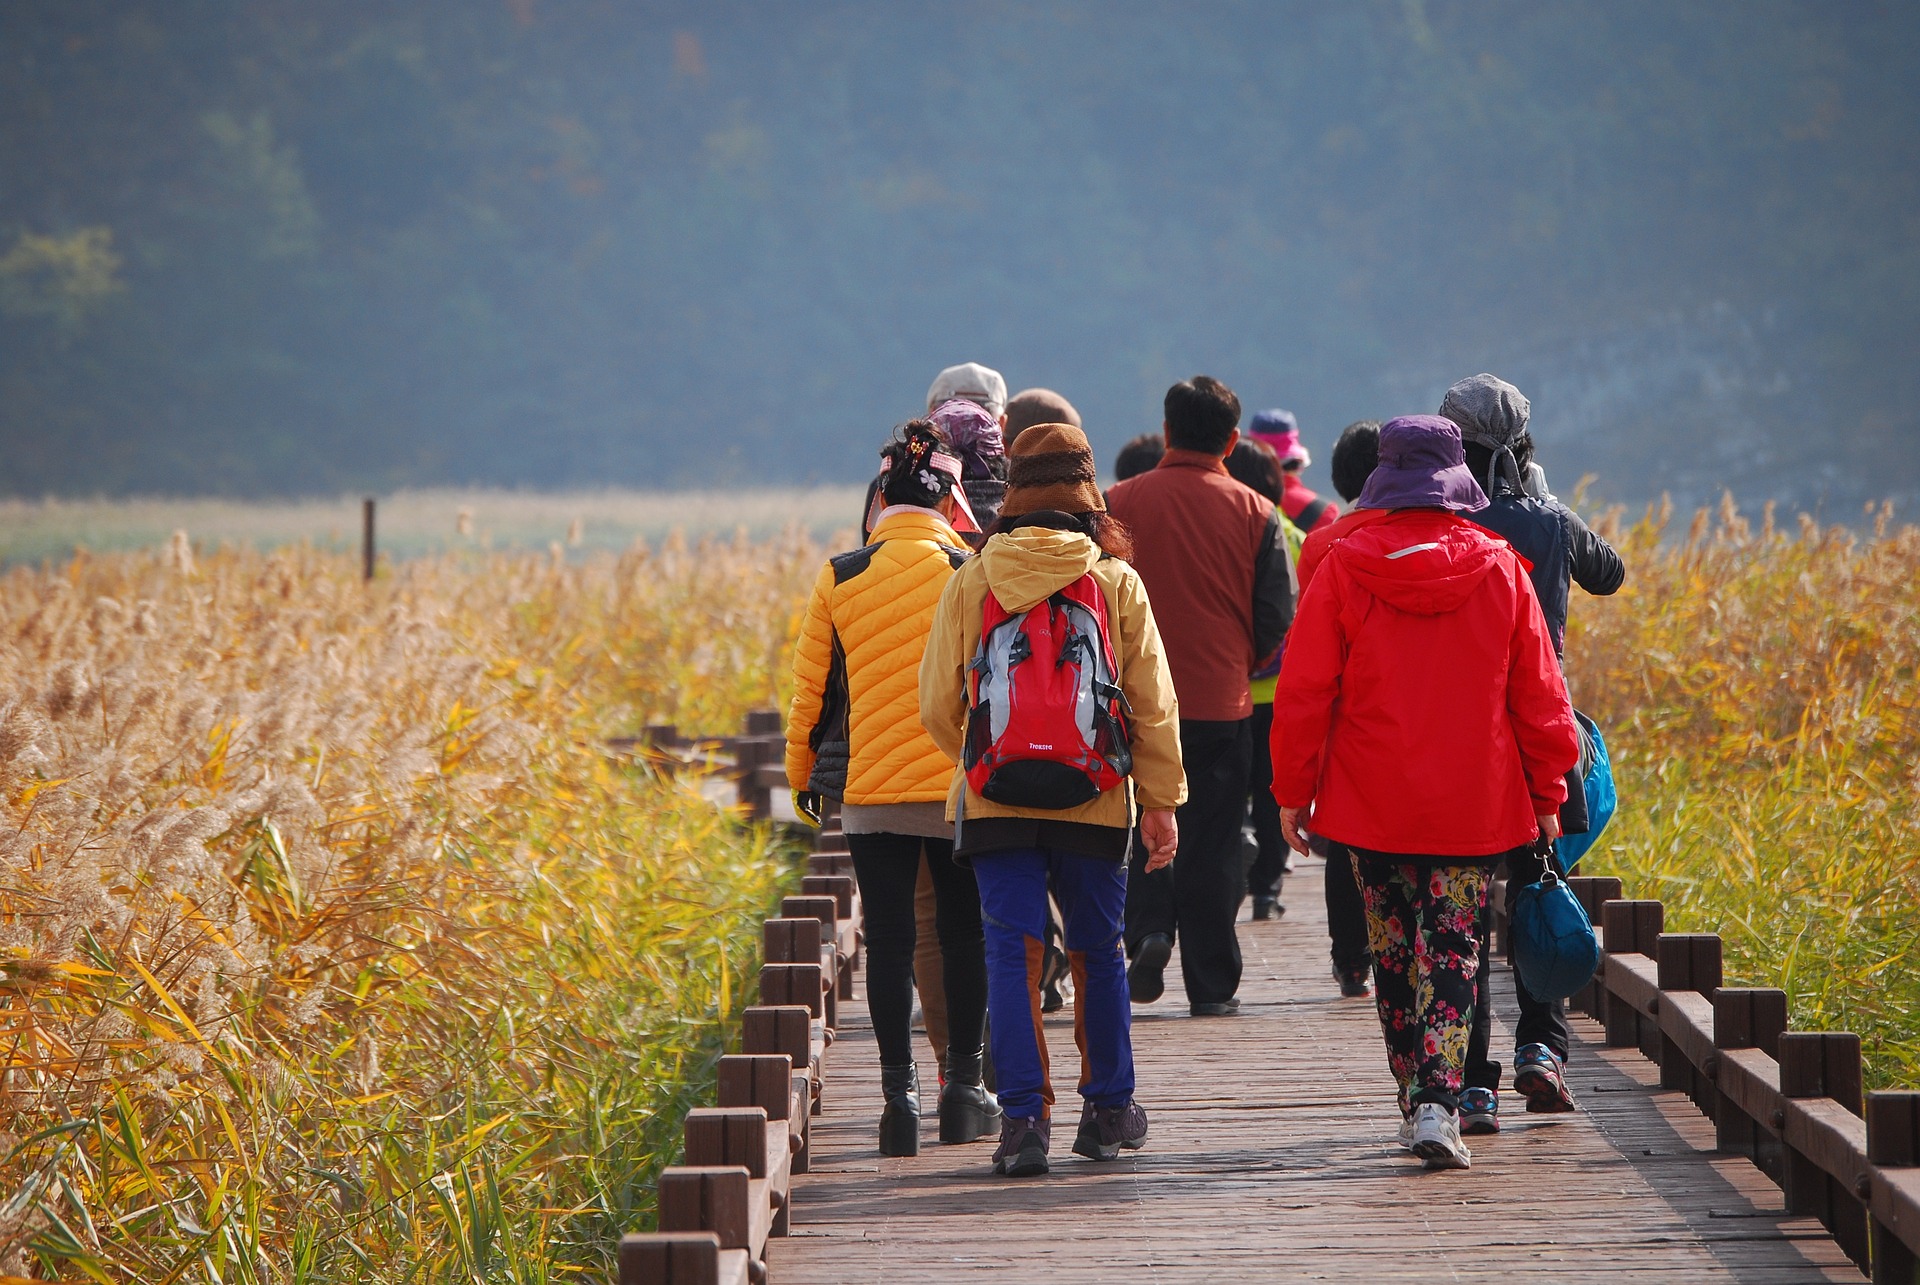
pixel 1421 719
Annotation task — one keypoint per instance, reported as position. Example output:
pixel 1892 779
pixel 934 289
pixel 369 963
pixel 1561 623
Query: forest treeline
pixel 277 247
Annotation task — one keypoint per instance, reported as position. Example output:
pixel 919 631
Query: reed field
pixel 334 946
pixel 1760 689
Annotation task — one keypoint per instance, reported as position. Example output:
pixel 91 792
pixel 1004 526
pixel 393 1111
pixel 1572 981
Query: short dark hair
pixel 1254 465
pixel 1355 456
pixel 1201 414
pixel 1141 455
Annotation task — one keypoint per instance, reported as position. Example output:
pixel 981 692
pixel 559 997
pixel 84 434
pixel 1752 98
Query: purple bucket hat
pixel 1422 467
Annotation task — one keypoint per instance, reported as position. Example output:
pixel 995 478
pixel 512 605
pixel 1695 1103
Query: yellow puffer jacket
pixel 853 732
pixel 1023 567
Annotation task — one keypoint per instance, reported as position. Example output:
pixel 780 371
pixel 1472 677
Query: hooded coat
pixel 1023 567
pixel 1420 708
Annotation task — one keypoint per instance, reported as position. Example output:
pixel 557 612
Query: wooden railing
pixel 718 1209
pixel 1789 1100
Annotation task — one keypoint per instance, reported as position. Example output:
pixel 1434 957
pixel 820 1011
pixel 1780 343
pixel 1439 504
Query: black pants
pixel 1195 899
pixel 1346 914
pixel 1541 1021
pixel 887 866
pixel 1270 866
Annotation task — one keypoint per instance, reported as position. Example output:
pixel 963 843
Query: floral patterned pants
pixel 1423 923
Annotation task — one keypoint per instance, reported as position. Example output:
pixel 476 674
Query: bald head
pixel 1038 406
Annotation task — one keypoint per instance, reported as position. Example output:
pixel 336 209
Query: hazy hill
pixel 283 247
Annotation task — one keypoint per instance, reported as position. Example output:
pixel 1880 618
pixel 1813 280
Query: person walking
pixel 1253 465
pixel 1280 432
pixel 1492 415
pixel 1421 719
pixel 853 734
pixel 1354 456
pixel 1213 558
pixel 1055 549
pixel 984 386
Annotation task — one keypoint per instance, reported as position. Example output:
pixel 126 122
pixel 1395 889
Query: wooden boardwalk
pixel 1272 1158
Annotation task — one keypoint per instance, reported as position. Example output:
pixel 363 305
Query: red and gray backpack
pixel 1046 719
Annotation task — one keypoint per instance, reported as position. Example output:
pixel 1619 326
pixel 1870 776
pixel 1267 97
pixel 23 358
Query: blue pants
pixel 1092 893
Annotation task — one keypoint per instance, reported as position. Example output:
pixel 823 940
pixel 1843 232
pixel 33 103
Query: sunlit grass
pixel 1759 689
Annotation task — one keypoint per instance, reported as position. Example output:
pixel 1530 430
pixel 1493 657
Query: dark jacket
pixel 1215 564
pixel 1561 547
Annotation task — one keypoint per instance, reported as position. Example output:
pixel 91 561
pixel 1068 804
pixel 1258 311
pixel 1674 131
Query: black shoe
pixel 1053 970
pixel 900 1117
pixel 1225 1008
pixel 1352 985
pixel 967 1111
pixel 1023 1148
pixel 1268 908
pixel 1145 975
pixel 1105 1130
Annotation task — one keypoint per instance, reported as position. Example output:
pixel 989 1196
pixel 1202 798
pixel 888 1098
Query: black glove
pixel 811 806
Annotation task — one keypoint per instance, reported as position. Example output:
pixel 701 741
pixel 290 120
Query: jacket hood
pixel 1424 563
pixel 1027 565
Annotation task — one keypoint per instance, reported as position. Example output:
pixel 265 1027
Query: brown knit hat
pixel 1051 467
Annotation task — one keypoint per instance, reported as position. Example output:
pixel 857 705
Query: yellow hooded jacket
pixel 1024 567
pixel 853 731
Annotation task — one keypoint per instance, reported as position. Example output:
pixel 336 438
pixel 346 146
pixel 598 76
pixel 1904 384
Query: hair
pixel 1480 458
pixel 1104 529
pixel 1033 406
pixel 1201 415
pixel 1355 456
pixel 1254 465
pixel 903 483
pixel 1138 456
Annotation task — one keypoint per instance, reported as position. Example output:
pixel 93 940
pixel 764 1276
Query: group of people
pixel 1067 729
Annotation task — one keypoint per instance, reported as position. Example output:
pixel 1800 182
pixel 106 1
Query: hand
pixel 1292 830
pixel 1549 826
pixel 810 806
pixel 1161 834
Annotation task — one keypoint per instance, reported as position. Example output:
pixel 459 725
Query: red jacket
pixel 1296 495
pixel 1420 709
pixel 1215 564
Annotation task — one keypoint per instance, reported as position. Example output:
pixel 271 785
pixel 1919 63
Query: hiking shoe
pixel 1146 975
pixel 1479 1111
pixel 1538 1074
pixel 1023 1148
pixel 1436 1137
pixel 1352 985
pixel 1222 1008
pixel 1105 1130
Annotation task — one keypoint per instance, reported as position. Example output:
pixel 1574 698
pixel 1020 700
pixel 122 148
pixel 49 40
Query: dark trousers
pixel 1195 899
pixel 1346 914
pixel 887 866
pixel 1270 865
pixel 1541 1021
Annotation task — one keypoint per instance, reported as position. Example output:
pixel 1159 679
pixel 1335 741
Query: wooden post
pixel 1688 962
pixel 367 551
pixel 1824 1064
pixel 1748 1019
pixel 1632 928
pixel 1893 1141
pixel 1593 892
pixel 764 722
pixel 686 1258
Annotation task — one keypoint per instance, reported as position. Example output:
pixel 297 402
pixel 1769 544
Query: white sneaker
pixel 1405 1136
pixel 1436 1137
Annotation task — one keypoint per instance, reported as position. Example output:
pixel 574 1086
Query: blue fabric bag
pixel 1597 777
pixel 1554 945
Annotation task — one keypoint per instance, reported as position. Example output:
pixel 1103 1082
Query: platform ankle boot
pixel 900 1117
pixel 967 1111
